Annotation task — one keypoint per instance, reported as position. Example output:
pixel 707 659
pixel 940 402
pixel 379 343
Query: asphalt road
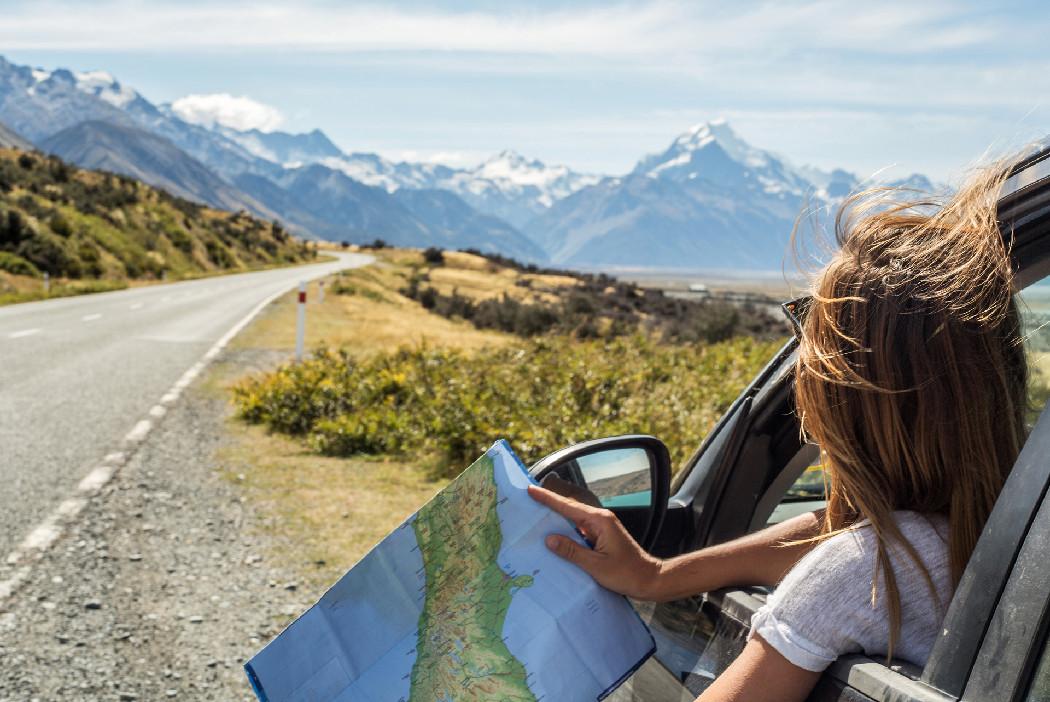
pixel 76 374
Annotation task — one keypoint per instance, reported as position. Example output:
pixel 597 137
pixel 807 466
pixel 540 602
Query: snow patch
pixel 105 87
pixel 375 172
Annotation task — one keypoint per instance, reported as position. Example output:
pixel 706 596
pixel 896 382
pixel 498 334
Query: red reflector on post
pixel 302 298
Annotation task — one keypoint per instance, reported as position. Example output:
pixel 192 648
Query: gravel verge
pixel 162 588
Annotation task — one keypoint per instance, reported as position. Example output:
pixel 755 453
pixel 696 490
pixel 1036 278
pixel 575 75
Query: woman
pixel 911 378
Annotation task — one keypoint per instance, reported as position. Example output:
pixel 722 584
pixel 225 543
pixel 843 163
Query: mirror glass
pixel 618 477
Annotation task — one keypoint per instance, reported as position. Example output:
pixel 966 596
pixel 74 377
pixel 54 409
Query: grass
pixel 373 318
pixel 322 513
pixel 15 289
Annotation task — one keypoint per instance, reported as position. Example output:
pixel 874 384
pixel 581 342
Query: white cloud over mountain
pixel 234 111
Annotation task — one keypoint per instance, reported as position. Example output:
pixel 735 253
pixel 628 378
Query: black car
pixel 753 470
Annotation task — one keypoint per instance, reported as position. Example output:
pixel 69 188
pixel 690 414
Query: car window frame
pixel 1010 647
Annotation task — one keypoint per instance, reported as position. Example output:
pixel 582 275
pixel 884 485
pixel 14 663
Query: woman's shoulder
pixel 842 568
pixel 927 533
pixel 823 607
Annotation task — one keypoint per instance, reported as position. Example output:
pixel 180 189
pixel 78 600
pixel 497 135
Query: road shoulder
pixel 163 586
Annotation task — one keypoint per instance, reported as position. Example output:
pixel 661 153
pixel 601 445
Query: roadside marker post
pixel 47 283
pixel 300 326
pixel 320 291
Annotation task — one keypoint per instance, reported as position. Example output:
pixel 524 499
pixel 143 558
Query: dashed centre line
pixel 23 333
pixel 136 306
pixel 90 317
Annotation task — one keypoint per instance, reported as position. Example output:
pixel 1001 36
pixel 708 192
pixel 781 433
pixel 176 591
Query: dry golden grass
pixel 319 509
pixel 376 318
pixel 478 278
pixel 20 283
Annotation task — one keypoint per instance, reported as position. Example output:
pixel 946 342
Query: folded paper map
pixel 461 602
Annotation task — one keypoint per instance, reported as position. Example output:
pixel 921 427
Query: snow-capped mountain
pixel 389 175
pixel 507 185
pixel 515 188
pixel 709 200
pixel 288 150
pixel 100 84
pixel 713 151
pixel 37 103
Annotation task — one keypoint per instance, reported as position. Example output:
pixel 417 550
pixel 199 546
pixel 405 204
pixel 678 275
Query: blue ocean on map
pixel 576 640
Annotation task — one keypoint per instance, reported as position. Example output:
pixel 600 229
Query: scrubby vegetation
pixel 592 306
pixel 446 407
pixel 458 382
pixel 434 256
pixel 79 225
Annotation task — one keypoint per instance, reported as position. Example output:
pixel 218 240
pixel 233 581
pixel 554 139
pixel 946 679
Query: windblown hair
pixel 911 372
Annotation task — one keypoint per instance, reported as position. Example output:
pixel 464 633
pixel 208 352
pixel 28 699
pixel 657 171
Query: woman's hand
pixel 554 483
pixel 616 561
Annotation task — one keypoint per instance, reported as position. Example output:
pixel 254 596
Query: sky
pixel 893 87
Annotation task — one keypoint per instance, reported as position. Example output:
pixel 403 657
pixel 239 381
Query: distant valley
pixel 709 200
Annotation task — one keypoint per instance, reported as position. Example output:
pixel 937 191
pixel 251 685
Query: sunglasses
pixel 795 311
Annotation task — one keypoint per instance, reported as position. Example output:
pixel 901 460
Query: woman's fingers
pixel 573 552
pixel 570 509
pixel 566 489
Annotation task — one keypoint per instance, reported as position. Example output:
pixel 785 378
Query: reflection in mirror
pixel 618 477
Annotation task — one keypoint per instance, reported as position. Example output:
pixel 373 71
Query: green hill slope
pixel 82 225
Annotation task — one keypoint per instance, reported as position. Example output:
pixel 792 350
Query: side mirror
pixel 631 475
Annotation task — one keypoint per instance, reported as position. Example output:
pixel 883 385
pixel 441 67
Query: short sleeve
pixel 822 609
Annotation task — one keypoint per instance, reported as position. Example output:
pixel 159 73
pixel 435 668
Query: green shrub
pixel 17 265
pixel 46 252
pixel 448 407
pixel 60 225
pixel 433 256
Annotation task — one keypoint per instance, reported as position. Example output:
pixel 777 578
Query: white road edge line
pixel 23 333
pixel 41 538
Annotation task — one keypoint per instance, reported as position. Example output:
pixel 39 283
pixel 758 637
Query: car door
pixel 738 481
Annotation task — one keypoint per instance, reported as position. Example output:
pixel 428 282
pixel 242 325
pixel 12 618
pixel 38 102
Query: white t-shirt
pixel 822 609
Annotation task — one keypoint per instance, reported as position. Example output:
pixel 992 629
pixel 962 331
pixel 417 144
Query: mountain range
pixel 710 200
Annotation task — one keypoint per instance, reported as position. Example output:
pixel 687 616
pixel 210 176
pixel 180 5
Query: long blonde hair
pixel 911 372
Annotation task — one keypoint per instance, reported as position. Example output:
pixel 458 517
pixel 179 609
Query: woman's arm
pixel 761 558
pixel 620 564
pixel 761 674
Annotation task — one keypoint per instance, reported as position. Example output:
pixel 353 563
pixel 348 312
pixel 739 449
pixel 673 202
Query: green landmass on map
pixel 460 653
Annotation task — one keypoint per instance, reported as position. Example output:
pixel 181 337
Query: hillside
pixel 152 159
pixel 88 225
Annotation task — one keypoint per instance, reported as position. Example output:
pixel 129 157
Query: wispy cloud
pixel 624 29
